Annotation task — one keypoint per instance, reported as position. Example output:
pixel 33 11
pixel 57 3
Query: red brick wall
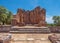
pixel 36 16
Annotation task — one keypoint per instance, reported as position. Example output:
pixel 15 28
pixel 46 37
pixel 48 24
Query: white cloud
pixel 49 19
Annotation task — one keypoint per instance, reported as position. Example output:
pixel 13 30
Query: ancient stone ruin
pixel 35 17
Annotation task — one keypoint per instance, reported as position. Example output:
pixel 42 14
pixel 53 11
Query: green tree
pixel 3 10
pixel 56 20
pixel 3 18
pixel 5 15
pixel 9 18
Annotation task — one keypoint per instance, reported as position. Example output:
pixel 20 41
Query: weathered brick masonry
pixel 33 17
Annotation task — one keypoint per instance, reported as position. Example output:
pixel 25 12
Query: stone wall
pixel 5 28
pixel 55 29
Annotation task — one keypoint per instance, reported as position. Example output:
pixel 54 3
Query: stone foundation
pixel 30 38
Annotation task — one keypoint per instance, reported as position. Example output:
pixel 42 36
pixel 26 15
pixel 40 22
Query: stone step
pixel 30 30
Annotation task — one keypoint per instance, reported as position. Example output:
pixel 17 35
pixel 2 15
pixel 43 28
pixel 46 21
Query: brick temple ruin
pixel 35 17
pixel 27 28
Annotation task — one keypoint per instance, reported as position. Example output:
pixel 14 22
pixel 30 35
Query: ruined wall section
pixel 35 16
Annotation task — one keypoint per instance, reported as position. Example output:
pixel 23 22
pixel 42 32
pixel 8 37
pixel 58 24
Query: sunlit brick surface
pixel 33 38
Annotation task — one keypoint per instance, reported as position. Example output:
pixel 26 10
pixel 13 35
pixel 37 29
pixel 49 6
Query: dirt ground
pixel 28 38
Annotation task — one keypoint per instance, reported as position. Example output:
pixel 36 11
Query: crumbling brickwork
pixel 33 17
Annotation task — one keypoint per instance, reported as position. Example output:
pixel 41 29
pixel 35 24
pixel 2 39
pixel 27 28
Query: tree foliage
pixel 9 18
pixel 56 20
pixel 5 16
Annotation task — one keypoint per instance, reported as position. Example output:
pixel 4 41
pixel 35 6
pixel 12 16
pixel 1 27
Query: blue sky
pixel 52 6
